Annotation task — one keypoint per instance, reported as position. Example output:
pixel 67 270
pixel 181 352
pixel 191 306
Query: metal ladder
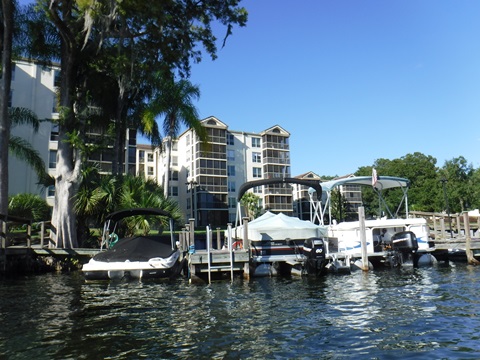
pixel 209 254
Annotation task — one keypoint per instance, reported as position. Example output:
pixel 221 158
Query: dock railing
pixel 441 224
pixel 22 231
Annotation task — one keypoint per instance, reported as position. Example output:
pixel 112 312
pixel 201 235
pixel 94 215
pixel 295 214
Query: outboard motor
pixel 405 245
pixel 314 250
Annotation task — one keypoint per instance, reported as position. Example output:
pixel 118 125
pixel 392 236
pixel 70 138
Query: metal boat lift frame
pixel 382 183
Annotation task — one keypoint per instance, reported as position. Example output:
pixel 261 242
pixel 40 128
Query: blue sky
pixel 352 81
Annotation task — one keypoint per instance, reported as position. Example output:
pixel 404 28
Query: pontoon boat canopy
pixel 382 183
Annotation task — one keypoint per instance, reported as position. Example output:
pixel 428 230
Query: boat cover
pixel 138 248
pixel 280 227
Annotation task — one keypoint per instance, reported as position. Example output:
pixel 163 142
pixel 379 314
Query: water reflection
pixel 422 313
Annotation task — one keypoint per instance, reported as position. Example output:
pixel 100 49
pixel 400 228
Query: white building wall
pixel 32 88
pixel 243 163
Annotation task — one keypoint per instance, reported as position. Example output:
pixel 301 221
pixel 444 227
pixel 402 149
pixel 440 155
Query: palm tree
pixel 100 195
pixel 29 206
pixel 174 101
pixel 7 11
pixel 19 147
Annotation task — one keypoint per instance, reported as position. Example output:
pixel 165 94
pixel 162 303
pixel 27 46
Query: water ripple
pixel 421 313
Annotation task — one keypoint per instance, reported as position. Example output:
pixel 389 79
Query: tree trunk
pixel 6 48
pixel 67 177
pixel 169 160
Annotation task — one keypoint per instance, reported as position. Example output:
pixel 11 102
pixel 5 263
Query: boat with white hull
pixel 391 241
pixel 136 256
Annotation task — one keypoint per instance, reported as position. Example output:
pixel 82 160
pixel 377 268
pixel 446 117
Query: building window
pixel 150 170
pixel 231 186
pixel 256 142
pixel 188 139
pixel 231 170
pixel 54 133
pixel 56 78
pixel 141 156
pixel 51 191
pixel 52 161
pixel 230 139
pixel 150 157
pixel 174 160
pixel 55 104
pixel 257 172
pixel 175 146
pixel 232 202
pixel 174 175
pixel 173 190
pixel 230 155
pixel 257 190
pixel 256 157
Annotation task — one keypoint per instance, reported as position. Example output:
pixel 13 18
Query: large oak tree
pixel 166 32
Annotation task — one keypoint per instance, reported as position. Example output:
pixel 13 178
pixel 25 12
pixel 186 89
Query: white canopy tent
pixel 280 227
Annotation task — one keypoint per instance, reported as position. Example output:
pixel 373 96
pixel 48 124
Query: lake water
pixel 431 313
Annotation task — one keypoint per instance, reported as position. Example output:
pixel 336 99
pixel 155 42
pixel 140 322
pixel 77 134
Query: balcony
pixel 275 145
pixel 275 160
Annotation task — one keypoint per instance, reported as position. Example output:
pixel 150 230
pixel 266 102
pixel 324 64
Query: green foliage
pixel 426 192
pixel 101 195
pixel 460 184
pixel 21 148
pixel 251 202
pixel 29 206
pixel 339 207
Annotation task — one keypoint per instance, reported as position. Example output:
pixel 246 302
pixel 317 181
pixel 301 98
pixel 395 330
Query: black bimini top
pixel 138 248
pixel 315 184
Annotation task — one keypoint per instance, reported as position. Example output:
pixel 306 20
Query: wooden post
pixel 219 240
pixel 246 241
pixel 42 233
pixel 191 228
pixel 442 228
pixel 246 246
pixel 29 235
pixel 363 238
pixel 435 228
pixel 3 235
pixel 458 225
pixel 468 239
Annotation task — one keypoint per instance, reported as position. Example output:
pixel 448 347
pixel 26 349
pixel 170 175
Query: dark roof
pixel 250 184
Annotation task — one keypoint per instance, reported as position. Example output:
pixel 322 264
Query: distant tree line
pixel 431 187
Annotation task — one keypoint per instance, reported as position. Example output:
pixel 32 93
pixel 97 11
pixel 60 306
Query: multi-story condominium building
pixel 205 178
pixel 34 86
pixel 302 206
pixel 352 195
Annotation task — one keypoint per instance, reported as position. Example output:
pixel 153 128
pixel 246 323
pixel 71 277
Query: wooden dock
pixel 219 261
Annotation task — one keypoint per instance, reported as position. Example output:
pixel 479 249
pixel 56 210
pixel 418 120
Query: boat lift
pixel 312 184
pixel 383 183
